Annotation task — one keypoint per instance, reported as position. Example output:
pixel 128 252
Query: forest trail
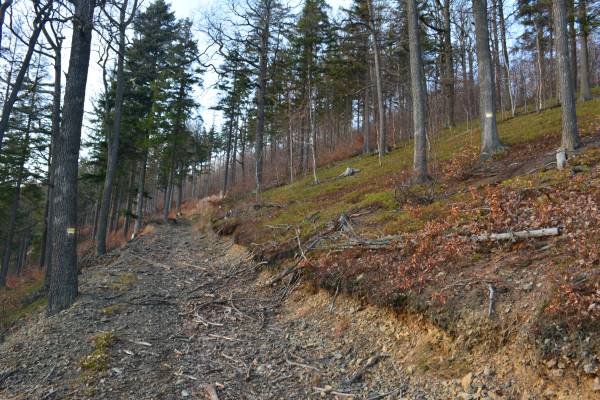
pixel 176 312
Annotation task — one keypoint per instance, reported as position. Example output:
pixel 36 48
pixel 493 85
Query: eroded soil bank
pixel 179 313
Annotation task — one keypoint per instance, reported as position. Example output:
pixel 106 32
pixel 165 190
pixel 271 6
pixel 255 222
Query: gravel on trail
pixel 178 314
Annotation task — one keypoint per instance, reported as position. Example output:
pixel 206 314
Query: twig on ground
pixel 491 302
pixel 333 392
pixel 301 365
pixel 361 371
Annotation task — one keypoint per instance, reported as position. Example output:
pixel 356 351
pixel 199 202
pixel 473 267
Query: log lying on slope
pixel 519 235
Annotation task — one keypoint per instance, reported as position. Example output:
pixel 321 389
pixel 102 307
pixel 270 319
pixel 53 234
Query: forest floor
pixel 178 313
pixel 359 287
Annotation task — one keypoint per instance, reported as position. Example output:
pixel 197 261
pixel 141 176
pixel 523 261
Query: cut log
pixel 349 172
pixel 519 235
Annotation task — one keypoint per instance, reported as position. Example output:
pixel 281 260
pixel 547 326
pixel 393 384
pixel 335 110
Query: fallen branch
pixel 491 298
pixel 327 390
pixel 514 236
pixel 291 269
pixel 355 377
pixel 301 365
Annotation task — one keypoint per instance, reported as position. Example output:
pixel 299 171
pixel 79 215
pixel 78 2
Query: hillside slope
pixel 409 248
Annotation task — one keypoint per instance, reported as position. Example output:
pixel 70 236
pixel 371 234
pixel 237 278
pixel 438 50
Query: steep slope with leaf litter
pixel 410 248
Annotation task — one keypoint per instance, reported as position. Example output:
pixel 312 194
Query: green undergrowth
pixel 376 186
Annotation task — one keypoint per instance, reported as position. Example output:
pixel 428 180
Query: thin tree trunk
pixel 584 73
pixel 139 212
pixel 381 142
pixel 63 283
pixel 448 66
pixel 507 74
pixel 261 92
pixel 129 202
pixel 540 64
pixel 56 120
pixel 570 138
pixel 419 102
pixel 572 41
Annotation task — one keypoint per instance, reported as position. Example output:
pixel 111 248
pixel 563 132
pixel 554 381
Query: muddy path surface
pixel 181 314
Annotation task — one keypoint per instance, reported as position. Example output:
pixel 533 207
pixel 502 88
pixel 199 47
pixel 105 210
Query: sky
pixel 194 9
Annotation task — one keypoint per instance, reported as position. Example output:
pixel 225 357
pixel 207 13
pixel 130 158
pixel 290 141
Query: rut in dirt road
pixel 177 314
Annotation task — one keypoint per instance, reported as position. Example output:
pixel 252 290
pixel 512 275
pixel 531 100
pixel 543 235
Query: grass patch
pixel 98 360
pixel 124 281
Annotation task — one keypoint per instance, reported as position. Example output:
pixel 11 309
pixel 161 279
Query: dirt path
pixel 176 311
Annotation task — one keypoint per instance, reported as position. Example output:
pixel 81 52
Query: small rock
pixel 466 381
pixel 558 373
pixel 590 368
pixel 487 371
pixel 596 385
pixel 185 393
pixel 551 363
pixel 528 286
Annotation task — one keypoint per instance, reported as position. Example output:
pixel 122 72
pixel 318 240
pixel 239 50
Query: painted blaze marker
pixel 70 231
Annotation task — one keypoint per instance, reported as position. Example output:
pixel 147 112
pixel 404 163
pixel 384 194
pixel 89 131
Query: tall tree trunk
pixel 261 92
pixel 381 142
pixel 63 281
pixel 366 127
pixel 113 140
pixel 56 120
pixel 584 74
pixel 448 66
pixel 490 142
pixel 570 138
pixel 419 102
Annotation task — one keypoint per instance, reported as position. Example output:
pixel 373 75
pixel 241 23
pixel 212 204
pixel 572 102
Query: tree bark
pixel 419 105
pixel 584 73
pixel 490 142
pixel 570 138
pixel 63 281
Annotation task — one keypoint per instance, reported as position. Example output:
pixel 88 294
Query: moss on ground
pixel 98 359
